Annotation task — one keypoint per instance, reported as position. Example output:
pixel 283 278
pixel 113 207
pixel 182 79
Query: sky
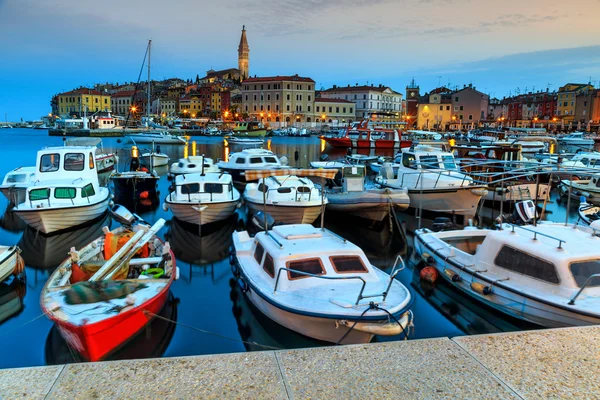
pixel 502 47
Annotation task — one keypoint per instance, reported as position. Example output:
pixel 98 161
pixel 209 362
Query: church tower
pixel 243 55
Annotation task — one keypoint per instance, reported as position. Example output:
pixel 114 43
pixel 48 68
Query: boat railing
pixel 440 173
pixel 189 194
pixel 536 233
pixel 572 301
pixel 360 294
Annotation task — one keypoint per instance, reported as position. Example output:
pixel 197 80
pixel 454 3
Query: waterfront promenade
pixel 558 363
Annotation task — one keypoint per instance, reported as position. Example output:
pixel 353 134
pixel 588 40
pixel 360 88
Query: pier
pixel 555 363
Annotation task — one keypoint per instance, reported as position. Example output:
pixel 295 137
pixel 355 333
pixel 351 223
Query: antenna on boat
pixel 323 203
pixel 203 158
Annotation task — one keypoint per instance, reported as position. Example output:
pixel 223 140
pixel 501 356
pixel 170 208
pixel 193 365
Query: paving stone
pixel 27 383
pixel 435 368
pixel 556 363
pixel 240 376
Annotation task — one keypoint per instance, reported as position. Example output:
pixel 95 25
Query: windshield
pixel 583 270
pixel 448 162
pixel 429 162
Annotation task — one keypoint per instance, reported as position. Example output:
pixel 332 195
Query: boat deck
pixel 499 366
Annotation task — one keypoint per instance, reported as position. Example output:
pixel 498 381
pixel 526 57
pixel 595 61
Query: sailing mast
pixel 148 102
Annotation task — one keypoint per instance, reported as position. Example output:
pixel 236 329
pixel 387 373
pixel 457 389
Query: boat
pixel 587 188
pixel 434 183
pixel 421 136
pixel 105 161
pixel 156 136
pixel 320 285
pixel 11 262
pixel 192 164
pixel 349 193
pixel 576 139
pixel 103 294
pixel 249 128
pixel 588 213
pixel 245 141
pixel 288 196
pixel 249 159
pixel 328 164
pixel 66 191
pixel 363 135
pixel 546 274
pixel 136 187
pixel 203 198
pixel 361 159
pixel 155 158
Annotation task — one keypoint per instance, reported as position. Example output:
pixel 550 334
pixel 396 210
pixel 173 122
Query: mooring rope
pixel 211 333
pixel 20 326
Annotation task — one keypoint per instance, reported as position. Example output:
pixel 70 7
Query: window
pixel 429 162
pixel 288 97
pixel 262 188
pixel 470 117
pixel 64 193
pixel 330 109
pixel 49 162
pixel 462 108
pixel 39 194
pixel 213 188
pixel 258 253
pixel 441 108
pixel 522 263
pixel 456 98
pixel 583 270
pixel 448 162
pixel 309 266
pixel 461 117
pixel 318 109
pixel 190 188
pixel 88 191
pixel 408 160
pixel 351 110
pixel 337 110
pixel 255 160
pixel 271 160
pixel 269 266
pixel 347 264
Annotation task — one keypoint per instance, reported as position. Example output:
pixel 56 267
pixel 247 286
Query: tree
pixel 197 79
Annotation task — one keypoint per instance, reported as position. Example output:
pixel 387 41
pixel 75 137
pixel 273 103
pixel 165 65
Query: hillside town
pixel 234 94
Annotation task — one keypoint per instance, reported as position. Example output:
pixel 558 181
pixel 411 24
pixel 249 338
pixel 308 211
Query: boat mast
pixel 148 102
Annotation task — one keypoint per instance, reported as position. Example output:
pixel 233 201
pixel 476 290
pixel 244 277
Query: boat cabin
pixel 426 157
pixel 253 159
pixel 204 187
pixel 286 188
pixel 591 160
pixel 247 126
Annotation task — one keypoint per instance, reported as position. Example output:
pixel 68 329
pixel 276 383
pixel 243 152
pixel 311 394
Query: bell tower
pixel 243 55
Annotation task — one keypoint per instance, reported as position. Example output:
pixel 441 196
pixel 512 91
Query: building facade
pixel 83 100
pixel 333 111
pixel 375 102
pixel 121 102
pixel 434 110
pixel 567 99
pixel 469 107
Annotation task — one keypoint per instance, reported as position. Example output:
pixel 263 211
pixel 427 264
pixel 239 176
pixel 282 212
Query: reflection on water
pixel 11 221
pixel 12 292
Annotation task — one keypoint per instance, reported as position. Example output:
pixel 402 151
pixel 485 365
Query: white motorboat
pixel 349 193
pixel 203 198
pixel 11 262
pixel 248 141
pixel 320 285
pixel 158 137
pixel 588 188
pixel 588 213
pixel 289 199
pixel 328 164
pixel 547 274
pixel 249 159
pixel 155 159
pixel 66 191
pixel 576 139
pixel 434 182
pixel 105 161
pixel 360 159
pixel 193 164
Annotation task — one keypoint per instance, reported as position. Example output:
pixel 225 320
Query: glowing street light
pixel 133 109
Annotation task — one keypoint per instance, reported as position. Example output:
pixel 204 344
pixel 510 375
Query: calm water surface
pixel 206 297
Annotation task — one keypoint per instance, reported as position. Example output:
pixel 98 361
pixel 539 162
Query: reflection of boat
pixel 201 246
pixel 11 298
pixel 245 141
pixel 45 252
pixel 106 292
pixel 11 221
pixel 11 262
pixel 151 342
pixel 547 274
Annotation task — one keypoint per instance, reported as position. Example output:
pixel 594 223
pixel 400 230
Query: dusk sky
pixel 499 46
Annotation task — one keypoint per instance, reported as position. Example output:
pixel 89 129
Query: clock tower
pixel 412 103
pixel 243 55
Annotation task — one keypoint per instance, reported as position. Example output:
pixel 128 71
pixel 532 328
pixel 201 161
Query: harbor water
pixel 211 312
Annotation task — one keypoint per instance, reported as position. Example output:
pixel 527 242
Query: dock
pixel 554 363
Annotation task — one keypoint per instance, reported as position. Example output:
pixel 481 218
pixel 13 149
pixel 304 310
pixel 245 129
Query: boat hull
pixel 156 161
pixel 156 139
pixel 212 213
pixel 518 192
pixel 456 201
pixel 370 144
pixel 8 262
pixel 510 302
pixel 287 214
pixel 371 204
pixel 58 219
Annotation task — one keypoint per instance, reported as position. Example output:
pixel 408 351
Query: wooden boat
pixel 11 262
pixel 136 187
pixel 105 293
pixel 249 129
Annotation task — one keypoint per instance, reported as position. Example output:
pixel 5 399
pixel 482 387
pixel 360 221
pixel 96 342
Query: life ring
pixel 154 272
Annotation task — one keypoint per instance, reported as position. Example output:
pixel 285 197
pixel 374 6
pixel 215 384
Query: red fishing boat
pixel 361 135
pixel 106 292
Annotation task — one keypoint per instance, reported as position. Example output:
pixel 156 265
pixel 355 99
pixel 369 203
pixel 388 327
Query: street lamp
pixel 535 120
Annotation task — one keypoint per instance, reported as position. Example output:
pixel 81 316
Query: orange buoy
pixel 144 195
pixel 429 274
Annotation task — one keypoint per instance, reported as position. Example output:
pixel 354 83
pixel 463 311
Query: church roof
pixel 243 47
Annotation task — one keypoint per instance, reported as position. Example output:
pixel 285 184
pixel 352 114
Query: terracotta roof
pixel 278 78
pixel 328 100
pixel 83 91
pixel 358 89
pixel 123 93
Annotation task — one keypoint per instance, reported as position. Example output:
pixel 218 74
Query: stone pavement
pixel 558 363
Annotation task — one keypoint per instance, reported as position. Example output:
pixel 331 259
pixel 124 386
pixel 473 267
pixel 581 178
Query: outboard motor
pixel 258 220
pixel 526 211
pixel 123 216
pixel 387 171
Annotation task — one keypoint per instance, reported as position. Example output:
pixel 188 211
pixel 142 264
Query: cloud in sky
pixel 53 46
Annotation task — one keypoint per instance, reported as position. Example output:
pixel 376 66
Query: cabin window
pixel 88 190
pixel 429 162
pixel 190 188
pixel 213 188
pixel 408 160
pixel 309 266
pixel 523 263
pixel 39 194
pixel 284 190
pixel 92 161
pixel 74 162
pixel 256 160
pixel 64 193
pixel 448 162
pixel 271 160
pixel 240 161
pixel 49 162
pixel 262 188
pixel 259 251
pixel 583 270
pixel 269 266
pixel 347 264
pixel 190 165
